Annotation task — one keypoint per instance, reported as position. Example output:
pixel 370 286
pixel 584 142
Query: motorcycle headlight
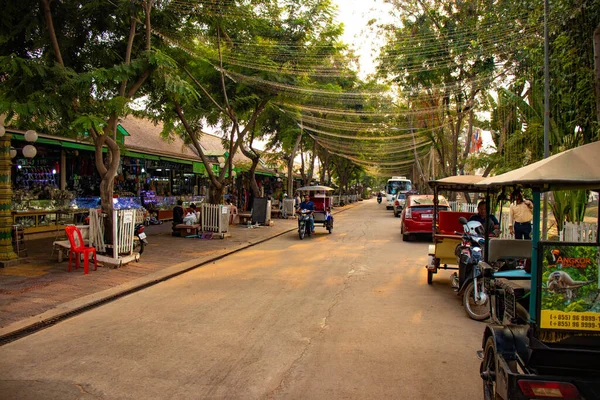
pixel 476 254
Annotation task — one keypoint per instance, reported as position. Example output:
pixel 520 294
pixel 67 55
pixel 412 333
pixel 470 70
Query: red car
pixel 417 216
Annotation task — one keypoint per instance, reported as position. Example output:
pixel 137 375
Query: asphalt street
pixel 347 315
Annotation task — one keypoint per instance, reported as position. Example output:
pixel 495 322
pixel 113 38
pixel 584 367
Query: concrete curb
pixel 28 326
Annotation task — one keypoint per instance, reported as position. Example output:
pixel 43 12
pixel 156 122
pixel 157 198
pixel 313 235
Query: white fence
pixel 583 232
pixel 464 207
pixel 123 222
pixel 215 218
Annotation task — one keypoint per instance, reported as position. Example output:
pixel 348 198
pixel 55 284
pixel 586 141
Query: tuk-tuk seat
pixel 448 221
pixel 319 203
pixel 509 251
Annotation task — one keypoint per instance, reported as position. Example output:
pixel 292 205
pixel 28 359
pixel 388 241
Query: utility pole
pixel 546 113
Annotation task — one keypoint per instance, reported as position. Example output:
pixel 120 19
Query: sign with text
pixel 569 296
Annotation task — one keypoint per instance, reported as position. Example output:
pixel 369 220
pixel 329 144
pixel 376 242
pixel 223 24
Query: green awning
pixel 177 160
pixel 21 137
pixel 199 168
pixel 264 173
pixel 79 146
pixel 122 130
pixel 141 155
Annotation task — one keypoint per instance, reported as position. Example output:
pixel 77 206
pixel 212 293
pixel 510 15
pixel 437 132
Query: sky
pixel 355 14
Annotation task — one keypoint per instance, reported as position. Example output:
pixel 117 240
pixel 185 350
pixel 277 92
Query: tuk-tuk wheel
pixel 488 370
pixel 429 277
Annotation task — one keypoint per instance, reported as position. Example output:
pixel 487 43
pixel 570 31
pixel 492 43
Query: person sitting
pixel 178 214
pixel 310 206
pixel 194 211
pixel 493 224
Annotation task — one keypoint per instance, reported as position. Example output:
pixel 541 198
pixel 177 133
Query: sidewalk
pixel 41 290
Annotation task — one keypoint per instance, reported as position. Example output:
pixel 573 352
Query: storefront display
pixel 162 206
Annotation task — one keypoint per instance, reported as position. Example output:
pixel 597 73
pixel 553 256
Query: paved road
pixel 341 316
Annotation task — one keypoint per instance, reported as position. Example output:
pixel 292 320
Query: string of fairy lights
pixel 364 126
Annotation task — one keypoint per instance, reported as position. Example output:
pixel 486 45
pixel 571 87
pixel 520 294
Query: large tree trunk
pixel 215 194
pixel 255 159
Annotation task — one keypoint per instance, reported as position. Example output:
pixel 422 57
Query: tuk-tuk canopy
pixel 315 188
pixel 459 183
pixel 578 168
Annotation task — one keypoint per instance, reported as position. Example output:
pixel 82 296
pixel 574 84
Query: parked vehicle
pixel 544 339
pixel 396 189
pixel 139 240
pixel 417 216
pixel 469 281
pixel 442 253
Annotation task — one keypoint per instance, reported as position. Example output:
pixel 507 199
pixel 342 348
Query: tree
pixel 71 68
pixel 215 80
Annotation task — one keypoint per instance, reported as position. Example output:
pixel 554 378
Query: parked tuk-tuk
pixel 544 339
pixel 446 224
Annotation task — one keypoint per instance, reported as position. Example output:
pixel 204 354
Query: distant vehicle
pixel 397 188
pixel 417 216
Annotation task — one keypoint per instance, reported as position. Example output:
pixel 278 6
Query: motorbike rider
pixel 308 205
pixel 379 196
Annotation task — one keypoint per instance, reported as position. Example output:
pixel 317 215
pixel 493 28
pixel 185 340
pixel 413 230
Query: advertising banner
pixel 570 299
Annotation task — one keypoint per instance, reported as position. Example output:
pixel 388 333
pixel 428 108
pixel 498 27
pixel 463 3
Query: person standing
pixel 521 214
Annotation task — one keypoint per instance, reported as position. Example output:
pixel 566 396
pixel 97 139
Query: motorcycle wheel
pixel 487 370
pixel 475 311
pixel 301 232
pixel 138 246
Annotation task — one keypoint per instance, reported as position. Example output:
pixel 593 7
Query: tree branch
pixel 128 52
pixel 204 90
pixel 51 31
pixel 196 143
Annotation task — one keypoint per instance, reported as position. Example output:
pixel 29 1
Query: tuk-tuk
pixel 544 339
pixel 448 243
pixel 446 225
pixel 322 198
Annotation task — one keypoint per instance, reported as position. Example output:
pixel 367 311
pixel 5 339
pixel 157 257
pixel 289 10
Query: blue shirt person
pixel 481 215
pixel 308 205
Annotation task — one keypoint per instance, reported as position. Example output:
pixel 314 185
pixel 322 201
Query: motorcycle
pixel 304 223
pixel 469 282
pixel 379 199
pixel 140 239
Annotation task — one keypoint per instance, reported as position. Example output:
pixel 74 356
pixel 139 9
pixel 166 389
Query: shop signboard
pixel 569 299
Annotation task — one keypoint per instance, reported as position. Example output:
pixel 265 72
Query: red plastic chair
pixel 78 247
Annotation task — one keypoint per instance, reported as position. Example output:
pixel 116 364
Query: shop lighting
pixel 54 171
pixel 19 166
pixel 143 170
pixel 159 169
pixel 28 150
